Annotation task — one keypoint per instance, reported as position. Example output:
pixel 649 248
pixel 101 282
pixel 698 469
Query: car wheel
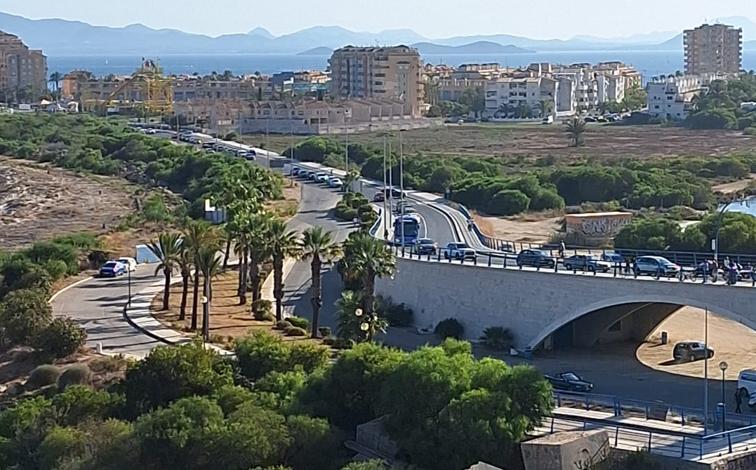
pixel 568 267
pixel 691 357
pixel 591 269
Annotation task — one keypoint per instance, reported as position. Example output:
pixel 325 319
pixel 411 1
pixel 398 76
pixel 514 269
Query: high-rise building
pixel 23 72
pixel 392 73
pixel 715 48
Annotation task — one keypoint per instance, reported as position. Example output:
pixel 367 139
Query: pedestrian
pixel 738 401
pixel 561 249
pixel 627 265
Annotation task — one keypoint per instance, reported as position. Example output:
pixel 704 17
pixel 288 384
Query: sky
pixel 431 18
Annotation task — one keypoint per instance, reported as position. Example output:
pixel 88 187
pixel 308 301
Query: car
pixel 322 178
pixel 335 182
pixel 586 263
pixel 459 250
pixel 295 171
pixel 570 382
pixel 535 258
pixel 112 269
pixel 130 263
pixel 589 119
pixel 747 386
pixel 311 175
pixel 425 246
pixel 379 197
pixel 689 351
pixel 655 265
pixel 612 257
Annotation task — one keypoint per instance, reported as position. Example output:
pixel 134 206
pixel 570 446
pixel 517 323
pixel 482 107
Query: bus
pixel 406 230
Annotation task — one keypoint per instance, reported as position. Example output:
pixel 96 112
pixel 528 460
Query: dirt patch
pixel 523 141
pixel 228 319
pixel 287 207
pixel 731 341
pixel 525 228
pixel 38 202
pixel 735 186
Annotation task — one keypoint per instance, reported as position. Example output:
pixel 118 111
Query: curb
pixel 80 281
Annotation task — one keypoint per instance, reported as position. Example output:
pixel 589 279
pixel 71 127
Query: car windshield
pixel 462 245
pixel 110 264
pixel 570 376
pixel 425 241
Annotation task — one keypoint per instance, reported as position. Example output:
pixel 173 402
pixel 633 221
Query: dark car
pixel 112 269
pixel 535 258
pixel 569 381
pixel 379 197
pixel 689 351
pixel 654 265
pixel 425 246
pixel 586 263
pixel 295 171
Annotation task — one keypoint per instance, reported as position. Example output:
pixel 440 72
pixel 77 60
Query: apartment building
pixel 392 73
pixel 671 97
pixel 23 71
pixel 521 97
pixel 715 48
pixel 196 88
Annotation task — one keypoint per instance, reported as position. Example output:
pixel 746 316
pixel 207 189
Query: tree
pixel 167 249
pixel 55 79
pixel 508 202
pixel 367 258
pixel 318 245
pixel 545 107
pixel 24 313
pixel 283 244
pixel 198 235
pixel 185 264
pixel 259 250
pixel 211 265
pixel 575 130
pixel 474 98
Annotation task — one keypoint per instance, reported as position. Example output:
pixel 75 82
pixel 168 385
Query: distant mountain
pixel 646 38
pixel 318 51
pixel 261 32
pixel 479 47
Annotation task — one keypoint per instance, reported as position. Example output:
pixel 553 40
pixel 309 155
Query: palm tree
pixel 185 264
pixel 259 250
pixel 351 176
pixel 167 249
pixel 197 235
pixel 318 245
pixel 55 79
pixel 575 130
pixel 367 258
pixel 283 244
pixel 545 107
pixel 211 266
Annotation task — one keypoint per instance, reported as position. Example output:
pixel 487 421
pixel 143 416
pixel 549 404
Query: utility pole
pixel 706 369
pixel 401 183
pixel 346 146
pixel 385 215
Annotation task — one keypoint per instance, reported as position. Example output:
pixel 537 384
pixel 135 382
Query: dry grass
pixel 287 207
pixel 228 319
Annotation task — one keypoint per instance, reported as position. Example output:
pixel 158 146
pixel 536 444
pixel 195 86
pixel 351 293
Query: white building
pixel 670 97
pixel 506 96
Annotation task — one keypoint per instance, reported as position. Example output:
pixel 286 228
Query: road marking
pixel 55 295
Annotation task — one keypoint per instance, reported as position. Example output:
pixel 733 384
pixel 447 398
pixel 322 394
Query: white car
pixel 335 182
pixel 747 386
pixel 321 178
pixel 130 263
pixel 459 250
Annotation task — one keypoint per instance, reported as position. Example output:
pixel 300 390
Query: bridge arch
pixel 654 307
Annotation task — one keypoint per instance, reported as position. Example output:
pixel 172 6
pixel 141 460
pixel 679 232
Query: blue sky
pixel 432 18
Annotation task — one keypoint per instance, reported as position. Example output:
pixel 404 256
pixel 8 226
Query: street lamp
pixel 205 319
pixel 128 268
pixel 723 367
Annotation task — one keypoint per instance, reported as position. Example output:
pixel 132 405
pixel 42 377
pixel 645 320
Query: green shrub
pixel 78 374
pixel 324 331
pixel 42 376
pixel 309 356
pixel 260 353
pixel 262 310
pixel 396 314
pixel 508 202
pixel 449 328
pixel 61 338
pixel 498 338
pixel 295 331
pixel 299 322
pixel 23 314
pixel 344 212
pixel 283 325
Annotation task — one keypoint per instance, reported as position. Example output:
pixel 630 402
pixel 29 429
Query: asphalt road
pixel 97 305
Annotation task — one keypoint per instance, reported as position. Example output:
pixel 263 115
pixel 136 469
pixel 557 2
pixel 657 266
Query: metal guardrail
pixel 654 439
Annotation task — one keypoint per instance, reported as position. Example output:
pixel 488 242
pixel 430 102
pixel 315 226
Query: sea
pixel 648 63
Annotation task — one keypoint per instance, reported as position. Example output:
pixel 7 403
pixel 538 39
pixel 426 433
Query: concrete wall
pixel 536 304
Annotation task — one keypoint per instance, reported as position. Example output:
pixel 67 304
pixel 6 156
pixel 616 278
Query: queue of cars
pixel 330 180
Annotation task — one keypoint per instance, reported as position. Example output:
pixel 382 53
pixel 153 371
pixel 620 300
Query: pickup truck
pixel 570 382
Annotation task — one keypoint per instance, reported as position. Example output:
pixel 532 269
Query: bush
pixel 498 338
pixel 308 356
pixel 295 331
pixel 396 314
pixel 262 310
pixel 61 338
pixel 78 374
pixel 23 314
pixel 449 328
pixel 283 325
pixel 299 322
pixel 260 353
pixel 43 376
pixel 508 202
pixel 324 331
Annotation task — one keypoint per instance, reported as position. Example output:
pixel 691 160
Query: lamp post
pixel 205 318
pixel 723 367
pixel 401 183
pixel 706 368
pixel 383 189
pixel 128 269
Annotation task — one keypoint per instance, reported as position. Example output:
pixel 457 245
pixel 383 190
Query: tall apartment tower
pixel 715 48
pixel 23 72
pixel 392 73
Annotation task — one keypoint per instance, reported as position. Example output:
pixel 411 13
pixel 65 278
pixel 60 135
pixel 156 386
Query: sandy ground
pixel 530 228
pixel 735 185
pixel 731 341
pixel 38 202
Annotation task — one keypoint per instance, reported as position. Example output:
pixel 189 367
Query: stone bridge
pixel 548 309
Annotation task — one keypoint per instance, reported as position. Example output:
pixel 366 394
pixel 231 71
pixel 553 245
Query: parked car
pixel 586 263
pixel 312 175
pixel 747 386
pixel 535 258
pixel 569 381
pixel 689 351
pixel 379 197
pixel 654 265
pixel 459 250
pixel 425 246
pixel 335 182
pixel 309 174
pixel 112 269
pixel 321 177
pixel 612 257
pixel 295 171
pixel 130 263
